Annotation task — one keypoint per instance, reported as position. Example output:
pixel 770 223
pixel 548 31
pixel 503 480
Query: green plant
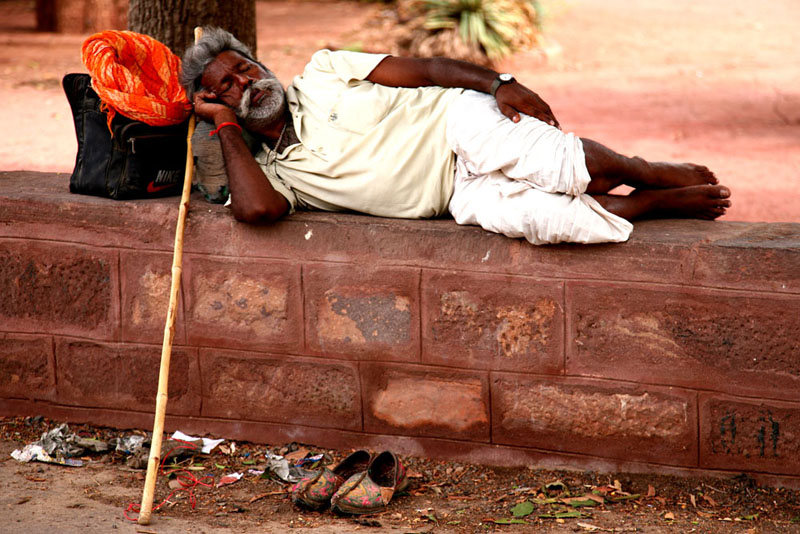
pixel 498 26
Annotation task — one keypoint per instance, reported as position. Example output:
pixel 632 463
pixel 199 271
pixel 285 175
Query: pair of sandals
pixel 360 484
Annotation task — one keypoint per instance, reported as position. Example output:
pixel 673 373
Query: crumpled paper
pixel 208 444
pixel 280 467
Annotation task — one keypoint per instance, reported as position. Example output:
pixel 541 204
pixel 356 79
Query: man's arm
pixel 512 98
pixel 253 199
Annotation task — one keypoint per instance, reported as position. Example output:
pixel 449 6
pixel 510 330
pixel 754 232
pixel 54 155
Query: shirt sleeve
pixel 349 67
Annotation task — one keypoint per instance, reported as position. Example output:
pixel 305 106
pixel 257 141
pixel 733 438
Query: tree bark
pixel 80 16
pixel 173 21
pixel 45 15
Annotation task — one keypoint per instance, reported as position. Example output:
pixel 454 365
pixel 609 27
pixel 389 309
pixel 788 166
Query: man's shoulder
pixel 343 65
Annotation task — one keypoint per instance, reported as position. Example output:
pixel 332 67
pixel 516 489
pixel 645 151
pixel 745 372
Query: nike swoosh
pixel 153 188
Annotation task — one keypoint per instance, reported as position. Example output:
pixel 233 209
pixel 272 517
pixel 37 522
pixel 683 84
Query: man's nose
pixel 243 80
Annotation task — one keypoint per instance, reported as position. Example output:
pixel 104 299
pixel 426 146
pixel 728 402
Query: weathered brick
pixel 763 256
pixel 705 339
pixel 55 288
pixel 125 376
pixel 280 390
pixel 39 206
pixel 658 251
pixel 493 322
pixel 346 237
pixel 746 435
pixel 425 401
pixel 357 312
pixel 26 367
pixel 612 420
pixel 243 304
pixel 146 279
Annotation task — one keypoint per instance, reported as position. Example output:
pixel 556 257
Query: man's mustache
pixel 261 85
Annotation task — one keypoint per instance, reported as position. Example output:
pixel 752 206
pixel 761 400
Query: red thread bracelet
pixel 221 126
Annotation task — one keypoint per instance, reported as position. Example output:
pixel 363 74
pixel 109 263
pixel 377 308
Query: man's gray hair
pixel 199 55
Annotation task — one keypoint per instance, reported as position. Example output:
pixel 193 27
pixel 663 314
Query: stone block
pixel 280 389
pixel 749 435
pixel 146 279
pixel 26 367
pixel 125 377
pixel 493 322
pixel 758 256
pixel 359 312
pixel 658 251
pixel 243 304
pixel 56 288
pixel 732 342
pixel 414 400
pixel 40 206
pixel 353 238
pixel 598 418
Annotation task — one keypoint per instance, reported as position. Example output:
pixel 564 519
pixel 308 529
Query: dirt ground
pixel 444 497
pixel 715 82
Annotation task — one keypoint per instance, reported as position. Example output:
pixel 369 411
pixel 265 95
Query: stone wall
pixel 674 352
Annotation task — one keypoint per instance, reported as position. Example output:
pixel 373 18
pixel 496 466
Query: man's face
pixel 253 92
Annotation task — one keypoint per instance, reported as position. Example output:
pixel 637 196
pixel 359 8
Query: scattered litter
pixel 34 452
pixel 229 479
pixel 128 445
pixel 229 450
pixel 309 460
pixel 208 443
pixel 57 446
pixel 257 472
pixel 280 467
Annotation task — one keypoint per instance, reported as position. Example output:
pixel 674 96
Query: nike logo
pixel 153 188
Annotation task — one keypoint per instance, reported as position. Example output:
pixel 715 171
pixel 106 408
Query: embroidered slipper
pixel 371 490
pixel 316 490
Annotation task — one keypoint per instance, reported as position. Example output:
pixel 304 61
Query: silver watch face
pixel 505 77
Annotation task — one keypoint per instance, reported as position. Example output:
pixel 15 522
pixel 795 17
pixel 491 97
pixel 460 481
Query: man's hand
pixel 208 108
pixel 515 98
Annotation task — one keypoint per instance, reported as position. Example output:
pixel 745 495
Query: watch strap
pixel 498 81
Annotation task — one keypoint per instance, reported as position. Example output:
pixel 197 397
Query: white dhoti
pixel 525 179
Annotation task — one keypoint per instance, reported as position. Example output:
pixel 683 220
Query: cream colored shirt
pixel 363 147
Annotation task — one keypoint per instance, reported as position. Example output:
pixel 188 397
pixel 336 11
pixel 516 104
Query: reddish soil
pixel 715 82
pixel 444 497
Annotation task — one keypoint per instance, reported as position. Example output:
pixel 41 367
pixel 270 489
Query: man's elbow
pixel 259 214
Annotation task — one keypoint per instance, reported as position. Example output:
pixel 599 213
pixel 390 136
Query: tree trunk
pixel 80 16
pixel 46 15
pixel 173 21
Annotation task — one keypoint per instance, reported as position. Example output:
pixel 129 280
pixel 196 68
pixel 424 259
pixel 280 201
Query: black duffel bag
pixel 138 161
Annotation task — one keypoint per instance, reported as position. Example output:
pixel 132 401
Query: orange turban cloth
pixel 137 76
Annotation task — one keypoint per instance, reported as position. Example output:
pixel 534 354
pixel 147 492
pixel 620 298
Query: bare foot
pixel 691 202
pixel 665 175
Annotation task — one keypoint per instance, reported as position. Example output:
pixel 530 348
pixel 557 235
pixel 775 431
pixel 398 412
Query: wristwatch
pixel 501 79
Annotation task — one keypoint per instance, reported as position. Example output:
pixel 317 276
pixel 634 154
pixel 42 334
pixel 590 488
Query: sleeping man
pixel 418 138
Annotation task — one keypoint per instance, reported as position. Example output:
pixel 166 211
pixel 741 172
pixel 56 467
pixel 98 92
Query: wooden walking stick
pixel 169 331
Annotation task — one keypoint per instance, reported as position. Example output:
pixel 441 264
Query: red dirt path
pixel 714 81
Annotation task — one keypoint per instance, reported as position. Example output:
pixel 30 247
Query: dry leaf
pixel 296 455
pixel 709 500
pixel 651 491
pixel 669 516
pixel 594 497
pixel 694 501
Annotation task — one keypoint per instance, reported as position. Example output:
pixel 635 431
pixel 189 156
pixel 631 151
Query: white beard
pixel 268 110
